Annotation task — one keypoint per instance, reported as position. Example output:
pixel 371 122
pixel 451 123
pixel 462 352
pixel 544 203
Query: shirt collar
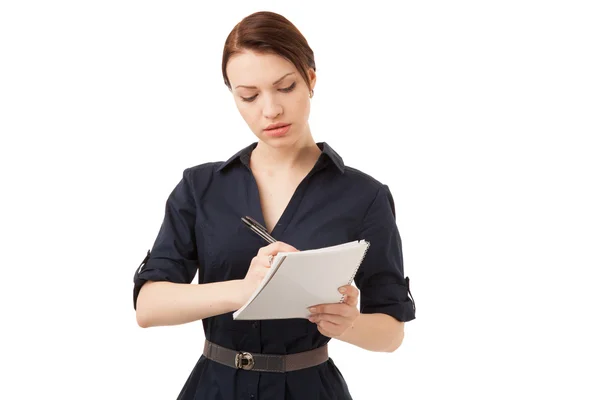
pixel 244 156
pixel 333 156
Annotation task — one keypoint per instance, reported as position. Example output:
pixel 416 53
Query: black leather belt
pixel 265 362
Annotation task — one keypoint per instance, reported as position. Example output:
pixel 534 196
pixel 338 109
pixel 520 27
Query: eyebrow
pixel 274 83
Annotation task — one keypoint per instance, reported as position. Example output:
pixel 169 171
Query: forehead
pixel 254 69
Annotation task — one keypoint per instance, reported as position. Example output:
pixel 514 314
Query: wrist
pixel 350 328
pixel 240 288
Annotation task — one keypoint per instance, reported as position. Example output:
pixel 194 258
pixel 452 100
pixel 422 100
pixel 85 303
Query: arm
pixel 375 332
pixel 162 292
pixel 384 292
pixel 167 303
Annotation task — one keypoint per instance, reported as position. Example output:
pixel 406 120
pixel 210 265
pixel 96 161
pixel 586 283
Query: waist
pixel 265 362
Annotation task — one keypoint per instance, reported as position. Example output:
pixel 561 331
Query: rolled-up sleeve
pixel 380 278
pixel 174 256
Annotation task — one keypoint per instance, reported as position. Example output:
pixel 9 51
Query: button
pixel 255 324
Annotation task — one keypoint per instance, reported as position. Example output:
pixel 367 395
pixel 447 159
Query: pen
pixel 257 228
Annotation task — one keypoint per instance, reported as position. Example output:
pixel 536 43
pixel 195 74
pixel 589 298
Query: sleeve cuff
pixel 392 299
pixel 156 270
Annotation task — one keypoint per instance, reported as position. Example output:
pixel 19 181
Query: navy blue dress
pixel 202 232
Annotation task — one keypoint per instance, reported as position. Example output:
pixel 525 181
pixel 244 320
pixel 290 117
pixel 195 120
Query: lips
pixel 275 126
pixel 278 132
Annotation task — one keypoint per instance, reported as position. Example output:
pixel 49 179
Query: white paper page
pixel 304 279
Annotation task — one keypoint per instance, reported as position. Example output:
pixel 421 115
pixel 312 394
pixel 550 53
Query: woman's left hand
pixel 334 319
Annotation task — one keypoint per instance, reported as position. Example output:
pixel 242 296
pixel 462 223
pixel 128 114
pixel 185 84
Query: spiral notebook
pixel 298 280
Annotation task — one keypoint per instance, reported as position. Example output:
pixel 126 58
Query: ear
pixel 312 77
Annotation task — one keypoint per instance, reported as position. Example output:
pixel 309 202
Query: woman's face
pixel 267 90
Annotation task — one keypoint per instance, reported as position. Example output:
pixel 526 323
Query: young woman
pixel 306 197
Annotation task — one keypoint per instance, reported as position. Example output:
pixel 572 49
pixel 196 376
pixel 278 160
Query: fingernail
pixel 312 309
pixel 342 290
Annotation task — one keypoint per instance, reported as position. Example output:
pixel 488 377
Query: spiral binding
pixel 357 267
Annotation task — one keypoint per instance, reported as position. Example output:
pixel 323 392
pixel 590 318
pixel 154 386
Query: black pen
pixel 257 228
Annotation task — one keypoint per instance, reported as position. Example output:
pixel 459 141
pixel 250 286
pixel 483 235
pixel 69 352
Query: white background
pixel 482 117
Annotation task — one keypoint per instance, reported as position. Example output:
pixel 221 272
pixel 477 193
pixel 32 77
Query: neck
pixel 301 154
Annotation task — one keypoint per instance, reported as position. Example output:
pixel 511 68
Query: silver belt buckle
pixel 244 361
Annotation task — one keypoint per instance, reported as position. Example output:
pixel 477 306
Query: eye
pixel 285 90
pixel 289 88
pixel 249 99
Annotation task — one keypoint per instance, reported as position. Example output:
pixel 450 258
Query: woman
pixel 306 197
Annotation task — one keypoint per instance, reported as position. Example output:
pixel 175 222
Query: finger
pixel 325 332
pixel 266 260
pixel 349 290
pixel 334 319
pixel 342 309
pixel 351 295
pixel 275 248
pixel 352 301
pixel 328 329
pixel 262 261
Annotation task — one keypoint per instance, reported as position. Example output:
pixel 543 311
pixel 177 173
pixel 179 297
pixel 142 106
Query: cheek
pixel 301 107
pixel 252 117
pixel 247 113
pixel 305 109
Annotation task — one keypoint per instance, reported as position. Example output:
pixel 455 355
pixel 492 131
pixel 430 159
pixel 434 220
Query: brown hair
pixel 268 32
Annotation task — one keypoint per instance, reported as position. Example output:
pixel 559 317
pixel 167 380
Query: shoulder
pixel 361 177
pixel 201 171
pixel 367 184
pixel 373 194
pixel 197 178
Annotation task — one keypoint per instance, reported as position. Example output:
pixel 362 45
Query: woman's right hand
pixel 260 266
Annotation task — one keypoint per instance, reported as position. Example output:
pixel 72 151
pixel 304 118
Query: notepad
pixel 298 280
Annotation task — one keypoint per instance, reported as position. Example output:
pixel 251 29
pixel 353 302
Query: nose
pixel 271 107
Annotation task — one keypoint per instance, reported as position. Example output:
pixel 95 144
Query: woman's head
pixel 270 70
